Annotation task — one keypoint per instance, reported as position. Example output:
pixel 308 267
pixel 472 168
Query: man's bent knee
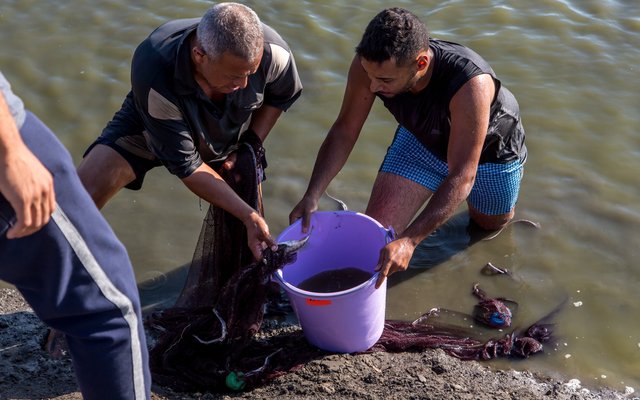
pixel 103 173
pixel 490 222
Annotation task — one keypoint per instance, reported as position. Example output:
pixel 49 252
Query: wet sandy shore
pixel 27 372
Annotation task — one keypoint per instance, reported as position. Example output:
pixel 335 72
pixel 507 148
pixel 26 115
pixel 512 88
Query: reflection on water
pixel 573 65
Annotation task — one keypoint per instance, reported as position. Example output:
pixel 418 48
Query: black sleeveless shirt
pixel 426 114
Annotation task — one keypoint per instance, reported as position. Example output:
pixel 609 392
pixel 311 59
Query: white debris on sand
pixel 573 384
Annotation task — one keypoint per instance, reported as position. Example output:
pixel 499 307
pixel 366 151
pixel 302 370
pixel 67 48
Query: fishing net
pixel 221 304
pixel 210 339
pixel 458 342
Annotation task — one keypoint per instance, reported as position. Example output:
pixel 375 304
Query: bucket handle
pixel 390 234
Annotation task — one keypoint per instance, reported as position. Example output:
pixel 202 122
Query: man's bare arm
pixel 24 181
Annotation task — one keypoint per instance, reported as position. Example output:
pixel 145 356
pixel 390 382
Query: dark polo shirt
pixel 181 125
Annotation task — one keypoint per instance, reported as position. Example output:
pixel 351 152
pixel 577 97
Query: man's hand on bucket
pixel 303 210
pixel 394 257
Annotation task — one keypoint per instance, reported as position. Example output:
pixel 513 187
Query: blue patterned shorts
pixel 494 192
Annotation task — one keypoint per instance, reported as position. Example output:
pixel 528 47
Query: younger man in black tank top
pixel 459 136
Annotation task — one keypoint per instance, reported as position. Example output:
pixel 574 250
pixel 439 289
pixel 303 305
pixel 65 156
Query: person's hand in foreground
pixel 24 181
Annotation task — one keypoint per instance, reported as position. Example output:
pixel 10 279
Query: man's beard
pixel 405 89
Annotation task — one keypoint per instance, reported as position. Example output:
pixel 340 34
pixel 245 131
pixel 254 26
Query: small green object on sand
pixel 234 380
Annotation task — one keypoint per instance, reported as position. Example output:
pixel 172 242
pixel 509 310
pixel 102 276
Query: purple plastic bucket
pixel 347 321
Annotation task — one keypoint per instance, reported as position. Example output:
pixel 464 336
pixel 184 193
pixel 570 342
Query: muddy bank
pixel 27 372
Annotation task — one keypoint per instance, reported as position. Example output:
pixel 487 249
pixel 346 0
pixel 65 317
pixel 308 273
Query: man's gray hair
pixel 231 27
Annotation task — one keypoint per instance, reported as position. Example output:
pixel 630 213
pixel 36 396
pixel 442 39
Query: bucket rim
pixel 341 212
pixel 323 295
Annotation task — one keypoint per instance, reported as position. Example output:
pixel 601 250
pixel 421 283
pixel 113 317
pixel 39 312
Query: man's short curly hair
pixel 393 33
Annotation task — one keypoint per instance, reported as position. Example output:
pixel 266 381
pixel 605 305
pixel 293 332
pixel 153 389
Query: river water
pixel 572 64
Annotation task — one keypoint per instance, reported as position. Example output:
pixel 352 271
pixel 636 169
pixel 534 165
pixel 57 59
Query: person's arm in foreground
pixel 470 109
pixel 24 181
pixel 337 146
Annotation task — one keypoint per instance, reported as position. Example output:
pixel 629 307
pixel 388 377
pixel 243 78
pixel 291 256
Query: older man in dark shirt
pixel 200 87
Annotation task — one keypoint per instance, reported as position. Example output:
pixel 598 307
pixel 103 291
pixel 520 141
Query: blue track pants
pixel 77 277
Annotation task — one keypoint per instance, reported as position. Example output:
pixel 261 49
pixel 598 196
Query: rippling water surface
pixel 573 65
